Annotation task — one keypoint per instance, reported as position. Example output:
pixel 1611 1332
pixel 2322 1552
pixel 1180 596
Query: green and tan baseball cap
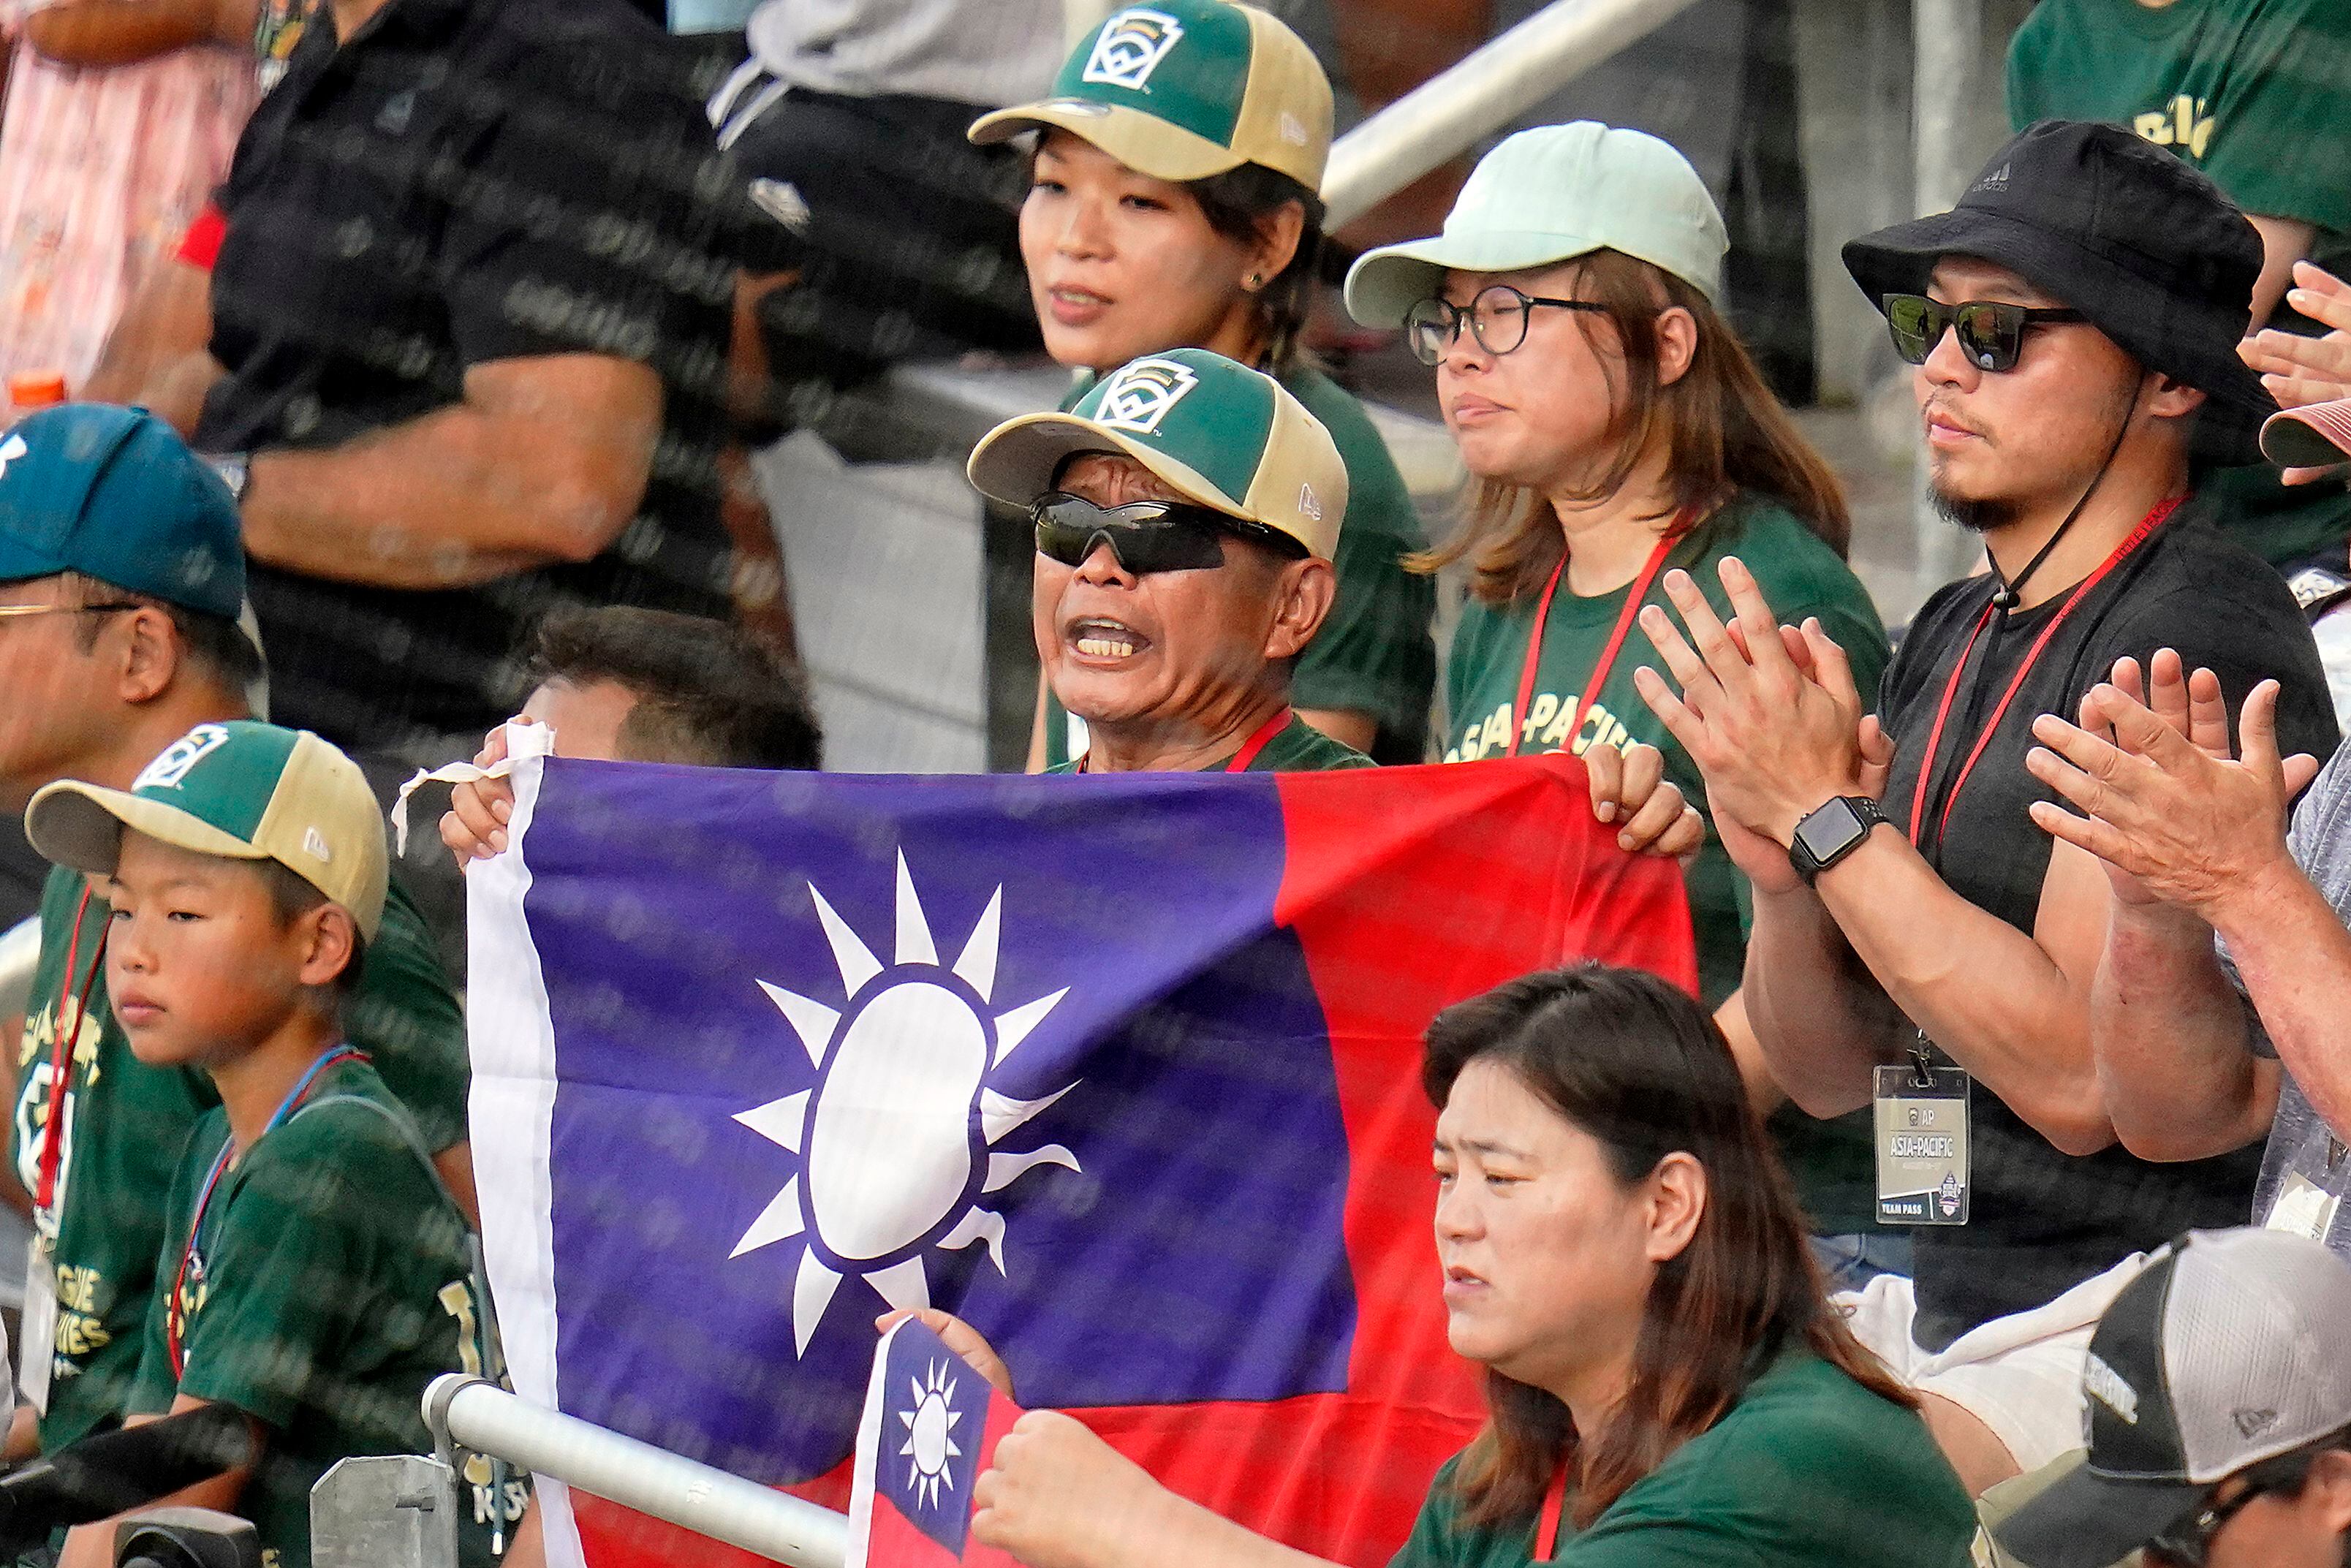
pixel 242 790
pixel 1181 90
pixel 1219 434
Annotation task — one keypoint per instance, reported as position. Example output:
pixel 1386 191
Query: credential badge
pixel 1139 396
pixel 1129 47
pixel 169 769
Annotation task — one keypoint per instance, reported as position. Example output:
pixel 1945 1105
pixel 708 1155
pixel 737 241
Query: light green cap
pixel 241 791
pixel 1181 90
pixel 1218 433
pixel 1550 194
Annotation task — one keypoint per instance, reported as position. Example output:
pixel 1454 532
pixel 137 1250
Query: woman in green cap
pixel 1173 205
pixel 1617 429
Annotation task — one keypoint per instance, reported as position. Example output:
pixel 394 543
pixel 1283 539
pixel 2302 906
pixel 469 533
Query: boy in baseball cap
pixel 2218 1388
pixel 1185 511
pixel 316 1274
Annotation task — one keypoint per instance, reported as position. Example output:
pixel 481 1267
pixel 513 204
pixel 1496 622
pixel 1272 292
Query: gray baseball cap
pixel 2230 1349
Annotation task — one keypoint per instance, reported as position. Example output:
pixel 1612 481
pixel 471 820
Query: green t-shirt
pixel 333 1281
pixel 1809 1470
pixel 1373 654
pixel 1800 576
pixel 2254 92
pixel 1297 747
pixel 125 1124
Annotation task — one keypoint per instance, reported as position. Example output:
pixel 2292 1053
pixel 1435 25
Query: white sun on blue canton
pixel 930 1435
pixel 897 1141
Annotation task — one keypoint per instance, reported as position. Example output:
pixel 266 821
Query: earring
pixel 1253 282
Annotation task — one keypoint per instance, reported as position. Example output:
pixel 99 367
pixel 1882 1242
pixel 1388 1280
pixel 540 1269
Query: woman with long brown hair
pixel 1617 429
pixel 1668 1382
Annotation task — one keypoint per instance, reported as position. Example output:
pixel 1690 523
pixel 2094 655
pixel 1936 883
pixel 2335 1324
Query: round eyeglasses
pixel 1497 319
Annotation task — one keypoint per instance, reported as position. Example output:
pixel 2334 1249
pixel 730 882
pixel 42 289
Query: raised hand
pixel 1773 736
pixel 1630 787
pixel 2189 827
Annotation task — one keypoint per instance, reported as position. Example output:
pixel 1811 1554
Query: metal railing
pixel 1492 86
pixel 472 1414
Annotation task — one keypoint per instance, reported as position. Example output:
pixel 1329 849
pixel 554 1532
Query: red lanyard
pixel 68 1029
pixel 1249 747
pixel 1554 1503
pixel 176 1308
pixel 1257 743
pixel 1640 591
pixel 2147 525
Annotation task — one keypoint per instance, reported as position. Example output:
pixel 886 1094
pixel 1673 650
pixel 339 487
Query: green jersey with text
pixel 1800 576
pixel 123 1124
pixel 327 1280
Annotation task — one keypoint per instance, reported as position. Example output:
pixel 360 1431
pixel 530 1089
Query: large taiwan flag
pixel 1124 1070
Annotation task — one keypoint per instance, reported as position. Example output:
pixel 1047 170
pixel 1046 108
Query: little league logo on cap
pixel 1182 90
pixel 1130 46
pixel 1139 395
pixel 243 791
pixel 1214 432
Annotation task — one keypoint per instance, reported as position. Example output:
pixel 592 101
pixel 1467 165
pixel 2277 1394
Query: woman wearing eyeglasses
pixel 1667 1385
pixel 1616 428
pixel 1173 205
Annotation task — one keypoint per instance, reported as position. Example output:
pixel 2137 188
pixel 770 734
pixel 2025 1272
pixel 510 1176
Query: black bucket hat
pixel 2143 247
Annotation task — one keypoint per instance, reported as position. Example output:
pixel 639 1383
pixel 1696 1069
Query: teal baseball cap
pixel 242 790
pixel 114 493
pixel 1223 435
pixel 1549 195
pixel 1182 90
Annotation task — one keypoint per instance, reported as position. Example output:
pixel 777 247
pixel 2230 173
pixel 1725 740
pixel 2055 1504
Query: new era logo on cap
pixel 1129 47
pixel 169 769
pixel 1308 503
pixel 2109 1388
pixel 1139 396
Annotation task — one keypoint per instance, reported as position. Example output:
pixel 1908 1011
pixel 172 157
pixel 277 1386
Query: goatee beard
pixel 1977 516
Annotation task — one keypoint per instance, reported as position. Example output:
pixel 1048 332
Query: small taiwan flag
pixel 931 1425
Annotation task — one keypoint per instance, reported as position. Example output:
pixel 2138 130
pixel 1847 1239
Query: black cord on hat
pixel 2012 589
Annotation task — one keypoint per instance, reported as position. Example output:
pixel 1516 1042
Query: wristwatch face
pixel 1828 829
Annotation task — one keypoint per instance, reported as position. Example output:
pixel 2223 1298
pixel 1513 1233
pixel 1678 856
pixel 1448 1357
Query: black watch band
pixel 1829 833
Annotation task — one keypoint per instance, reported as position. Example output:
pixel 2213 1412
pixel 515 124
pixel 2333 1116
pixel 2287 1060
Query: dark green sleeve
pixel 1373 654
pixel 407 1018
pixel 2278 147
pixel 303 1254
pixel 1437 1540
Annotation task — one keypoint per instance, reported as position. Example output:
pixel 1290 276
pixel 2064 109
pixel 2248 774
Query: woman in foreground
pixel 1666 1382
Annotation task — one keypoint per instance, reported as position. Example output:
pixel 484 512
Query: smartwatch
pixel 1831 832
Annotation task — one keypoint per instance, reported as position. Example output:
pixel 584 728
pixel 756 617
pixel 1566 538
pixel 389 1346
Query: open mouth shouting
pixel 1098 640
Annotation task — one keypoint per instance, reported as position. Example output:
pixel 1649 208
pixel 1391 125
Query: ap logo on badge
pixel 1129 47
pixel 1139 396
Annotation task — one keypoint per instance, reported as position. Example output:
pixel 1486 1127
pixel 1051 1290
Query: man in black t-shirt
pixel 2074 322
pixel 468 352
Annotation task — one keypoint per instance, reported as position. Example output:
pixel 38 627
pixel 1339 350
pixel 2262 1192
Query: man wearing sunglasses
pixel 2219 1390
pixel 1927 948
pixel 1185 513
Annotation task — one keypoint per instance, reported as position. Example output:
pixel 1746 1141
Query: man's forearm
pixel 1819 1020
pixel 456 497
pixel 2169 1034
pixel 1987 994
pixel 2295 956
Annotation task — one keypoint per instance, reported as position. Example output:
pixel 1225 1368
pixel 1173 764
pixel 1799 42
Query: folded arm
pixel 544 460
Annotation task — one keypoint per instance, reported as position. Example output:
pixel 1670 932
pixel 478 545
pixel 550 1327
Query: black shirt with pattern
pixel 462 181
pixel 2044 1220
